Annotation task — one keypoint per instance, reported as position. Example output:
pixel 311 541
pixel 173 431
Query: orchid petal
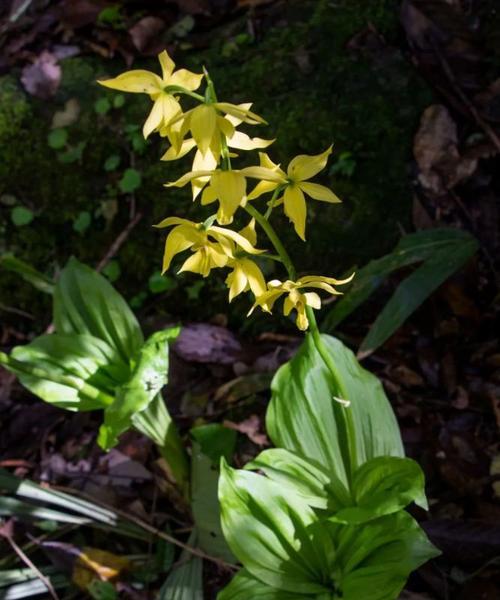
pixel 304 167
pixel 137 81
pixel 319 192
pixel 167 65
pixel 186 79
pixel 295 209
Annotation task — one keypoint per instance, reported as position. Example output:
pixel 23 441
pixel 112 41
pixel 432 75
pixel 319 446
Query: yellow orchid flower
pixel 208 123
pixel 294 184
pixel 245 275
pixel 228 187
pixel 295 299
pixel 212 246
pixel 238 140
pixel 208 162
pixel 165 107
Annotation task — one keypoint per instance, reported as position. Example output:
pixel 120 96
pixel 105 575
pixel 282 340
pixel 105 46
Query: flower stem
pixel 226 159
pixel 343 414
pixel 177 89
pixel 272 202
pixel 274 239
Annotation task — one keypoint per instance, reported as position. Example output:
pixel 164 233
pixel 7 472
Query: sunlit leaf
pixel 150 374
pixel 76 372
pixel 86 303
pixel 305 413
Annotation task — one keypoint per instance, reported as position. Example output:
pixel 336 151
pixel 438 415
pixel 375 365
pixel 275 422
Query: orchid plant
pixel 322 515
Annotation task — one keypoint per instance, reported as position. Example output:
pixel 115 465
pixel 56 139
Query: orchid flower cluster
pixel 211 130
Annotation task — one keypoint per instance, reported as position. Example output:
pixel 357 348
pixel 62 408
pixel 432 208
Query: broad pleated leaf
pixel 70 371
pixel 210 443
pixel 376 559
pixel 148 377
pixel 380 487
pixel 156 423
pixel 305 411
pixel 383 486
pixel 312 483
pixel 245 587
pixel 86 303
pixel 185 580
pixel 266 527
pixel 283 546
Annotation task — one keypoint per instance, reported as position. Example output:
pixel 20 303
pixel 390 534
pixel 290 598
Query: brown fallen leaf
pixel 68 115
pixel 146 35
pixel 42 78
pixel 435 148
pixel 251 428
pixel 78 13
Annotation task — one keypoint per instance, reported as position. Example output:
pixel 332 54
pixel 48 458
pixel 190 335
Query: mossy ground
pixel 302 77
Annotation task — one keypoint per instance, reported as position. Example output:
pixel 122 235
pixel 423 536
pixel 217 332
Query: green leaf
pixel 102 106
pixel 94 513
pixel 383 486
pixel 102 590
pixel 130 181
pixel 112 270
pixel 416 288
pixel 86 303
pixel 281 543
pixel 75 372
pixel 312 483
pixel 25 583
pixel 82 222
pixel 118 101
pixel 158 283
pixel 73 154
pixel 57 138
pixel 20 215
pixel 375 559
pixel 215 441
pixel 38 280
pixel 148 377
pixel 304 412
pixel 156 423
pixel 211 442
pixel 442 251
pixel 244 586
pixel 380 487
pixel 11 507
pixel 185 581
pixel 266 527
pixel 112 162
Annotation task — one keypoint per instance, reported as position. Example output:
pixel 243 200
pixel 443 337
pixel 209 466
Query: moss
pixel 303 79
